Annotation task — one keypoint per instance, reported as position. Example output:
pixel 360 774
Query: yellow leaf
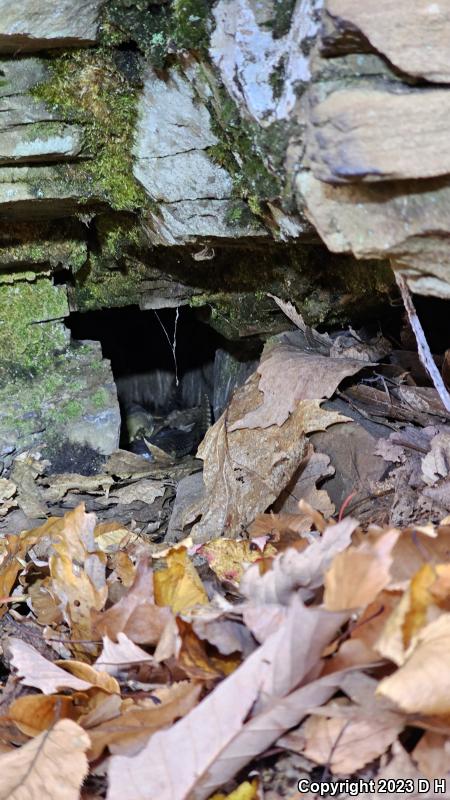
pixel 179 585
pixel 246 791
pixel 229 557
pixel 96 677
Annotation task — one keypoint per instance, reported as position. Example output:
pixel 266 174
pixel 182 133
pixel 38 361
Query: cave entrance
pixel 174 373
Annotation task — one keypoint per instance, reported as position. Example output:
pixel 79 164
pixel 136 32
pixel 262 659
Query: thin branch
pixel 422 344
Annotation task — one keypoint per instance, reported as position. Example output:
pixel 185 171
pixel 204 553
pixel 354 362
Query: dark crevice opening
pixel 204 373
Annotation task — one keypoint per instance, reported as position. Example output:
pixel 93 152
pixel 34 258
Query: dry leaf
pixel 359 573
pixel 178 585
pixel 49 677
pixel 291 372
pixel 245 470
pixel 228 558
pixel 97 678
pixel 245 791
pixel 293 570
pixel 35 670
pixel 36 712
pixel 135 614
pixel 197 661
pixel 114 658
pixel 347 745
pixel 432 755
pixel 77 570
pixel 422 684
pixel 223 742
pixel 144 491
pixel 53 765
pixel 127 732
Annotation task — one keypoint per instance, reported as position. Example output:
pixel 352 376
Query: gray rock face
pixel 35 25
pixel 76 404
pixel 174 166
pixel 191 221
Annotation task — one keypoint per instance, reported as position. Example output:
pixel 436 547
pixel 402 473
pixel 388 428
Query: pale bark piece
pixel 294 571
pixel 374 135
pixel 245 470
pixel 207 747
pixel 413 36
pixel 290 373
pixel 53 765
pixel 422 684
pixel 33 25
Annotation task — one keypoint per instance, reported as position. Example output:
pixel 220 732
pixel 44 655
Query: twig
pixel 422 344
pixel 173 343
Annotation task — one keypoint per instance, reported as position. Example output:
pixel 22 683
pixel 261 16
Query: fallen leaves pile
pixel 264 625
pixel 154 682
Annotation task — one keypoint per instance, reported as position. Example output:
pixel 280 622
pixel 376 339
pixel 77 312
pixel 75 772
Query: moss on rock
pixel 94 88
pixel 30 334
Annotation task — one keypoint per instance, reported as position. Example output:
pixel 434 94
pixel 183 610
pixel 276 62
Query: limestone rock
pixel 408 221
pixel 184 176
pixel 33 25
pixel 40 191
pixel 191 221
pixel 173 163
pixel 413 36
pixel 370 134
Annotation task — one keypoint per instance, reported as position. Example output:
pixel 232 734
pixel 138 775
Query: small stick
pixel 422 344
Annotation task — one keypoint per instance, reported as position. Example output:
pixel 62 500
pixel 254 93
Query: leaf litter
pixel 305 613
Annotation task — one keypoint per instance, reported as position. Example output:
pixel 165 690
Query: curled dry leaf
pixel 197 661
pixel 245 469
pixel 136 614
pixel 37 671
pixel 53 765
pixel 292 371
pixel 80 589
pixel 293 570
pixel 359 573
pixel 115 657
pixel 223 741
pixel 35 713
pixel 422 684
pixel 178 586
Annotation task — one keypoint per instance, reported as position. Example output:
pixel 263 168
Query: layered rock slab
pixel 33 25
pixel 413 36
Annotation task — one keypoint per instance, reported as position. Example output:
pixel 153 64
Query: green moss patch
pixel 94 89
